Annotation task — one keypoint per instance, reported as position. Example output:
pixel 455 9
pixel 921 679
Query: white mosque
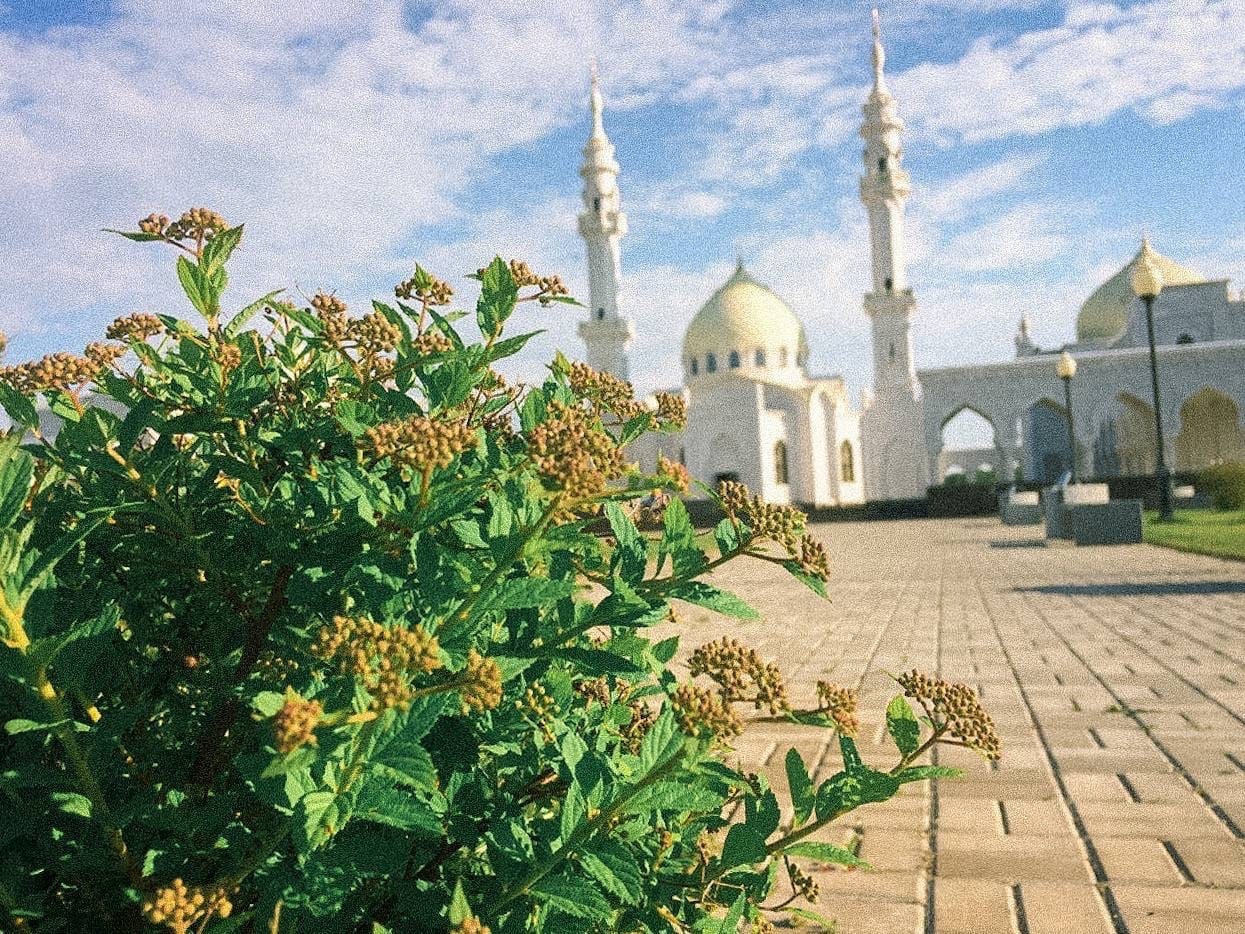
pixel 755 413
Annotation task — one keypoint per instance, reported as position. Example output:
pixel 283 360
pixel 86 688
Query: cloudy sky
pixel 355 137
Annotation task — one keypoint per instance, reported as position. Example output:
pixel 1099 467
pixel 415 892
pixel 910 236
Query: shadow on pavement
pixel 1018 543
pixel 1173 588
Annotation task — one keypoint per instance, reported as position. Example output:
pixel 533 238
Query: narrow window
pixel 711 363
pixel 596 205
pixel 847 463
pixel 733 360
pixel 600 314
pixel 695 367
pixel 892 351
pixel 1185 339
pixel 780 461
pixel 882 164
pixel 683 456
pixel 759 359
pixel 782 356
pixel 890 284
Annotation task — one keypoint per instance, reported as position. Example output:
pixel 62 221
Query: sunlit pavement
pixel 1117 678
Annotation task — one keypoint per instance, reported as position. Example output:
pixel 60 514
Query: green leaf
pixel 19 408
pixel 803 795
pixel 903 726
pixel 460 911
pixel 659 739
pixel 743 847
pixel 710 597
pixel 239 321
pixel 673 796
pixel 575 897
pixel 762 814
pixel 73 803
pixel 13 727
pixel 136 236
pixel 572 749
pixel 826 853
pixel 216 252
pixel 15 479
pixel 380 803
pixel 521 593
pixel 811 581
pixel 574 807
pixel 45 650
pixel 630 553
pixel 726 534
pixel 406 762
pixel 267 703
pixel 679 541
pixel 195 285
pixel 918 773
pixel 498 294
pixel 49 558
pixel 316 812
pixel 614 869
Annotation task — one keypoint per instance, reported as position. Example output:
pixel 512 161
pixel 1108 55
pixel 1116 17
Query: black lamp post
pixel 1066 368
pixel 1147 283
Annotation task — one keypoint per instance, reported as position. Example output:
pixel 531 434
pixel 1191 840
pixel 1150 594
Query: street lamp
pixel 1066 368
pixel 1147 282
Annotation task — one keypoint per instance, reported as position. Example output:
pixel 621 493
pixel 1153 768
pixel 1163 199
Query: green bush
pixel 305 626
pixel 1225 485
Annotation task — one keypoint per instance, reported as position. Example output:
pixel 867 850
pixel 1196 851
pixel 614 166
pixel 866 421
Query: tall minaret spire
pixel 884 189
pixel 602 224
pixel 896 456
pixel 879 55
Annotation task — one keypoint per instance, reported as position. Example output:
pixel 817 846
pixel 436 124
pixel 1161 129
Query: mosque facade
pixel 756 414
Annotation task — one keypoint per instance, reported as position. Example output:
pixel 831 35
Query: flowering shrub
pixel 306 626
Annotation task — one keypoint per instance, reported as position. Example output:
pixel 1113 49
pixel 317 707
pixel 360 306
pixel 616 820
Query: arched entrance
pixel 1044 436
pixel 969 443
pixel 1124 443
pixel 1210 431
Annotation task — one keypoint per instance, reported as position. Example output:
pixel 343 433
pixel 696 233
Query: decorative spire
pixel 879 55
pixel 598 107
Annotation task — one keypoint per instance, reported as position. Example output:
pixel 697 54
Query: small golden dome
pixel 1105 312
pixel 745 316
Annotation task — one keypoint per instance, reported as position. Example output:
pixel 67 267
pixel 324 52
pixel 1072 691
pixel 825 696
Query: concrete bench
pixel 1020 507
pixel 1111 523
pixel 1057 501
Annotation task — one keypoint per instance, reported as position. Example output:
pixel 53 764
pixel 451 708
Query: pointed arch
pixel 781 472
pixel 1210 430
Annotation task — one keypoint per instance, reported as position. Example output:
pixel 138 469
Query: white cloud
pixel 1100 61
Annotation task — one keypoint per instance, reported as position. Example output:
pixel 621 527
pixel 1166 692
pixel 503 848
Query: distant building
pixel 756 414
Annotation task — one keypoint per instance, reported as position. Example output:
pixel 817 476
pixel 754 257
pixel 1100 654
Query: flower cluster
pixel 804 885
pixel 56 371
pixel 294 725
pixel 703 713
pixel 383 658
pixel 547 286
pixel 671 410
pixel 195 224
pixel 741 674
pixel 536 702
pixel 227 354
pixel 635 729
pixel 180 907
pixel 331 311
pixel 783 525
pixel 606 392
pixel 426 288
pixel 135 327
pixel 955 708
pixel 374 333
pixel 431 342
pixel 574 452
pixel 420 443
pixel 471 925
pixel 594 689
pixel 839 704
pixel 480 683
pixel 675 472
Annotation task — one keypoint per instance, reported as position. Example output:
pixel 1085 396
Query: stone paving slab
pixel 1117 678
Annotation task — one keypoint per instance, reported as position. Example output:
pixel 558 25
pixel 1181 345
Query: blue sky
pixel 356 137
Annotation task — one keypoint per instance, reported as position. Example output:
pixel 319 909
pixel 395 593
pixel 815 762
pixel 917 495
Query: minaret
pixel 893 430
pixel 602 224
pixel 884 189
pixel 1024 343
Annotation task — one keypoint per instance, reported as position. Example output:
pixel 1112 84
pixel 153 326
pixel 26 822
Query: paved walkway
pixel 1117 679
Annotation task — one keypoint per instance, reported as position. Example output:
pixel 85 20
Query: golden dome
pixel 745 316
pixel 1105 312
